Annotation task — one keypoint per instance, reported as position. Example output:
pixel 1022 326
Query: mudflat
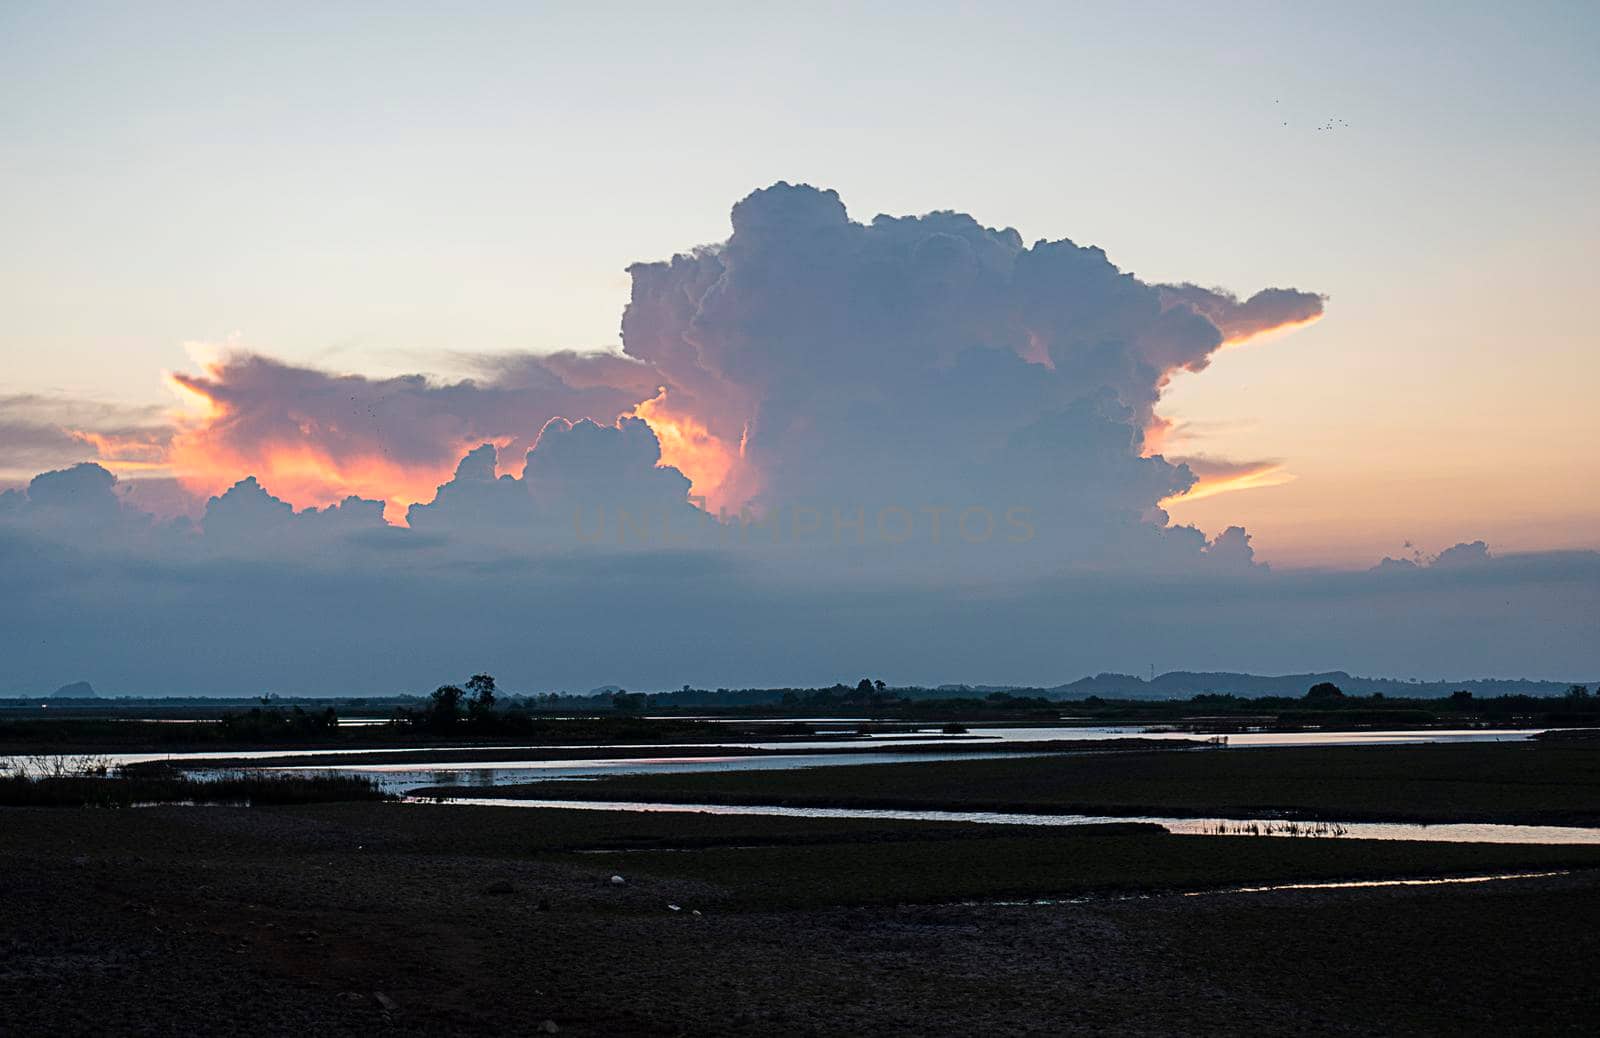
pixel 1533 783
pixel 434 919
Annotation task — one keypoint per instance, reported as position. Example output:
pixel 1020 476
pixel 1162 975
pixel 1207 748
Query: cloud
pixel 1463 554
pixel 808 361
pixel 608 372
pixel 39 432
pixel 1231 547
pixel 937 444
pixel 1215 476
pixel 919 360
pixel 1239 321
pixel 247 521
pixel 316 437
pixel 237 625
pixel 583 485
pixel 74 497
pixel 164 497
pixel 258 596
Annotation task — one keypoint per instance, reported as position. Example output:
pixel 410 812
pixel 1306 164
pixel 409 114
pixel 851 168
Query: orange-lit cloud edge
pixel 715 469
pixel 307 475
pixel 1275 332
pixel 1252 476
pixel 1226 477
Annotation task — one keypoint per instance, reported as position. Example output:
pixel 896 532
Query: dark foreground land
pixel 366 917
pixel 1533 783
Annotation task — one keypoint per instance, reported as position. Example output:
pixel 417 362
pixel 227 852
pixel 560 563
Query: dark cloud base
pixel 943 430
pixel 661 619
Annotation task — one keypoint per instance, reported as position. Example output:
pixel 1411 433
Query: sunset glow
pixel 341 341
pixel 686 445
pixel 306 477
pixel 1267 474
pixel 194 400
pixel 1265 334
pixel 125 452
pixel 300 470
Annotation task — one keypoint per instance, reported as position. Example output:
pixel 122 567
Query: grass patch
pixel 1007 867
pixel 128 790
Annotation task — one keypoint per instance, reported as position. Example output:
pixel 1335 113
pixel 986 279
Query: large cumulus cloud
pixel 930 361
pixel 811 376
pixel 908 365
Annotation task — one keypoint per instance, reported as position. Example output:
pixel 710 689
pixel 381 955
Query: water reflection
pixel 1345 884
pixel 1446 832
pixel 1356 884
pixel 978 734
pixel 396 778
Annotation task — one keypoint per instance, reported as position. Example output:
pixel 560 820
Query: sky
pixel 252 203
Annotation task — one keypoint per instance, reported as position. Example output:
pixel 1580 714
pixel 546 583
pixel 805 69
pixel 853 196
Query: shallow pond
pixel 1271 888
pixel 1447 832
pixel 399 777
pixel 528 756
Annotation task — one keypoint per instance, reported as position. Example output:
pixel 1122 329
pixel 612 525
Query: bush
pixel 165 786
pixel 276 725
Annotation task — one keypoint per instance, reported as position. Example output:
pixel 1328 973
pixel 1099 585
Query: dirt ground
pixel 364 918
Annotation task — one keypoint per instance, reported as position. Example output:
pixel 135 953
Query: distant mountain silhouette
pixel 1181 684
pixel 76 690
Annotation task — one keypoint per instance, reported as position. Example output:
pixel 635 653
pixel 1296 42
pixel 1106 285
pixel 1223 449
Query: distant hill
pixel 1181 684
pixel 76 690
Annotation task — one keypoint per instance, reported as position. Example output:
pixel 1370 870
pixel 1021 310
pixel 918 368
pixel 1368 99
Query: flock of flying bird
pixel 1331 124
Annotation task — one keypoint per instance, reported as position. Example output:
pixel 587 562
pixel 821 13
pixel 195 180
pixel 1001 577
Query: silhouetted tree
pixel 1324 691
pixel 482 688
pixel 879 685
pixel 274 724
pixel 446 709
pixel 864 686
